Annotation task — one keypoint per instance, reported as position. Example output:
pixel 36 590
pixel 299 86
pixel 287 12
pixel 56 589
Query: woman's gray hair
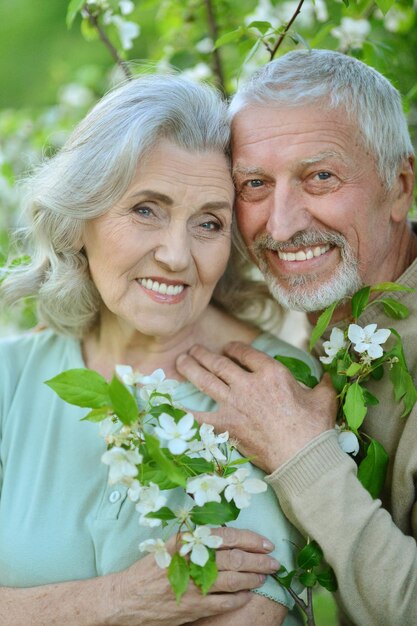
pixel 90 174
pixel 304 77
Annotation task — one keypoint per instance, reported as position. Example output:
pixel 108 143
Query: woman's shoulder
pixel 273 346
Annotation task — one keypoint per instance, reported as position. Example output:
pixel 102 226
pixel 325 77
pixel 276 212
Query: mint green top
pixel 59 519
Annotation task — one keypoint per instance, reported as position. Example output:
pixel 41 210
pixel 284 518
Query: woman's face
pixel 156 256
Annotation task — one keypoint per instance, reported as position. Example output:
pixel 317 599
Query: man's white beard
pixel 304 292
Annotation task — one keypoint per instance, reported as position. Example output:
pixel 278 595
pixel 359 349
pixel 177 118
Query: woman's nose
pixel 173 251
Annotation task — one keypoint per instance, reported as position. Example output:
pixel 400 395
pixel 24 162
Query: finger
pixel 240 561
pixel 208 383
pixel 217 364
pixel 230 582
pixel 243 539
pixel 218 603
pixel 248 356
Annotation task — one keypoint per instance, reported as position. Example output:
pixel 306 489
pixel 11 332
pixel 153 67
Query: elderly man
pixel 324 173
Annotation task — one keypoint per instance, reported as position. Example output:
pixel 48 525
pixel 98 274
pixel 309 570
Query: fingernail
pixel 262 579
pixel 180 358
pixel 267 545
pixel 275 565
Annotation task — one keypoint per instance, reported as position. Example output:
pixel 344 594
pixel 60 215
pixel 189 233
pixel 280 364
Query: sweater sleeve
pixel 375 563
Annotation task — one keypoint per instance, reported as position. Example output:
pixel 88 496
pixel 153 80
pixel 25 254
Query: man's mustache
pixel 304 238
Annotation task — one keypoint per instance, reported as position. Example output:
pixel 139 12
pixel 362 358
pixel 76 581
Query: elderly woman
pixel 130 230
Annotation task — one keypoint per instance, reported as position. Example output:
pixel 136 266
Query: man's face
pixel 310 204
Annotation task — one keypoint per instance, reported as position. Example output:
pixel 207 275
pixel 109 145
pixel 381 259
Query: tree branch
pixel 281 38
pixel 214 33
pixel 307 608
pixel 116 56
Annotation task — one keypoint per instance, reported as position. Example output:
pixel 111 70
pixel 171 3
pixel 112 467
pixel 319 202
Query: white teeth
pixel 163 288
pixel 303 255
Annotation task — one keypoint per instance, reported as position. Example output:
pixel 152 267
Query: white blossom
pixel 348 441
pixel 150 501
pixel 196 543
pixel 126 6
pixel 177 434
pixel 127 375
pixel 109 429
pixel 351 33
pixel 208 446
pixel 206 488
pixel 122 464
pixel 205 46
pixel 332 347
pixel 156 381
pixel 126 30
pixel 241 487
pixel 200 71
pixel 75 95
pixel 158 548
pixel 368 339
pixel 134 490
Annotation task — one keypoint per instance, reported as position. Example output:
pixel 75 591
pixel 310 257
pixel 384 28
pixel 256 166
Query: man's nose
pixel 289 212
pixel 173 251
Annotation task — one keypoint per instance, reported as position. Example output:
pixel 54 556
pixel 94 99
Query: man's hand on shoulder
pixel 262 406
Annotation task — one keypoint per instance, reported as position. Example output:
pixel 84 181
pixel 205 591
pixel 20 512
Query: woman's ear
pixel 403 190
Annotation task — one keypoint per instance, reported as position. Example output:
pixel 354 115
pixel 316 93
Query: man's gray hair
pixel 304 77
pixel 91 173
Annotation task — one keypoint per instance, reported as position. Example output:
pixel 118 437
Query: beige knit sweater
pixel 370 544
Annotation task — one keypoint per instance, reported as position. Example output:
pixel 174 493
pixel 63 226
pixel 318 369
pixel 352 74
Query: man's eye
pixel 324 175
pixel 254 183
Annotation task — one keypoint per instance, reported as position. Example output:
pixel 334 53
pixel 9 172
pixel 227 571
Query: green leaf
pixel 263 27
pixel 284 577
pixel 73 8
pixel 197 465
pixel 377 373
pixel 310 555
pixel 353 369
pixel 172 471
pixel 354 406
pixel 395 309
pixel 327 579
pixel 404 388
pixel 308 579
pixel 81 387
pixel 373 468
pixel 88 31
pixel 370 399
pixel 98 415
pixel 385 5
pixel 124 404
pixel 164 513
pixel 215 513
pixel 359 301
pixel 178 575
pixel 391 287
pixel 150 472
pixel 174 412
pixel 322 324
pixel 205 576
pixel 229 37
pixel 300 370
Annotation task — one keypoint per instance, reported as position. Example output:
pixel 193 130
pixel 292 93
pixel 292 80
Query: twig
pixel 281 38
pixel 116 56
pixel 307 608
pixel 214 33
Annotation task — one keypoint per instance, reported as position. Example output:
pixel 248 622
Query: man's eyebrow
pixel 322 156
pixel 239 170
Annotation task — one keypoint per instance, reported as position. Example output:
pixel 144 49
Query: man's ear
pixel 403 190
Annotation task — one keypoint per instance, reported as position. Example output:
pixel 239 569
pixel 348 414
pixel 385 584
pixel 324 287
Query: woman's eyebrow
pixel 150 194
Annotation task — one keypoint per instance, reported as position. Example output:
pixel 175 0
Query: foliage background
pixel 50 75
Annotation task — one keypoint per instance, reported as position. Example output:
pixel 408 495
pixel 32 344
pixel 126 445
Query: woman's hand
pixel 142 596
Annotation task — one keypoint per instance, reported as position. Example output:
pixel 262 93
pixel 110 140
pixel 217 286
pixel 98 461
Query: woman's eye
pixel 210 226
pixel 144 211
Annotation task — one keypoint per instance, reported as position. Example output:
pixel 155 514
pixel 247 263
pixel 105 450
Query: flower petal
pixel 199 554
pixel 355 333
